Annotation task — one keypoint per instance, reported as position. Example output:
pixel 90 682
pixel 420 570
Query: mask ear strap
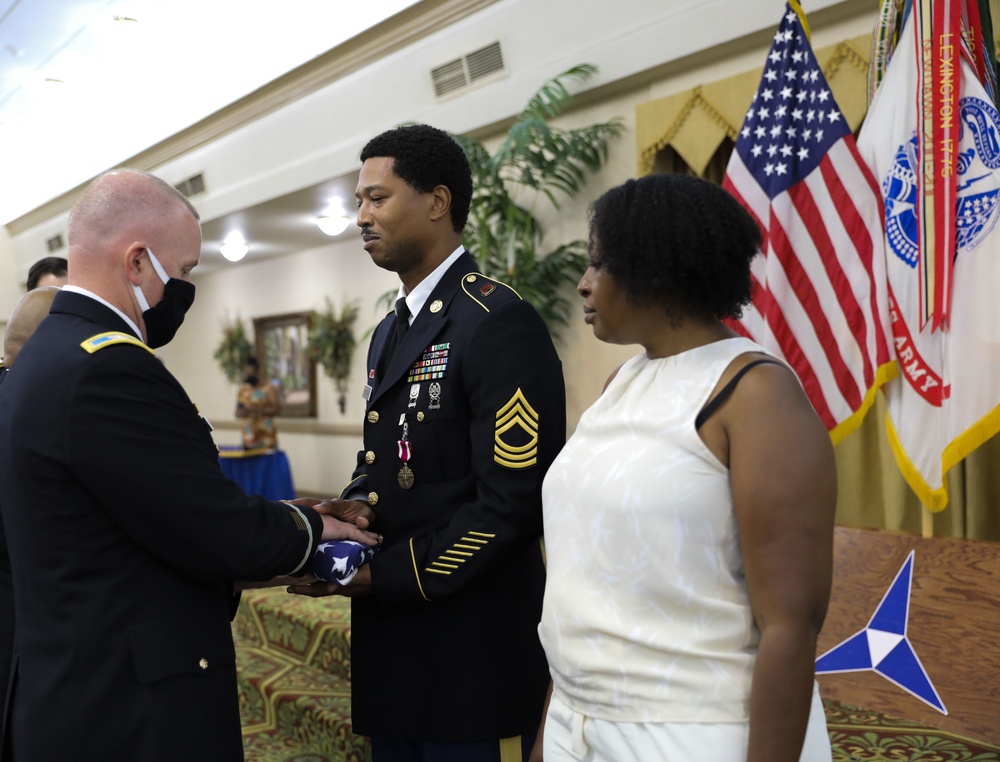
pixel 141 298
pixel 157 266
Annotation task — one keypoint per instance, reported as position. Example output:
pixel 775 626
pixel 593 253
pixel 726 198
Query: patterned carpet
pixel 859 735
pixel 303 719
pixel 293 656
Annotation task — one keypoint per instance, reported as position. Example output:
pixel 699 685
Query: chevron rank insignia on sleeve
pixel 516 434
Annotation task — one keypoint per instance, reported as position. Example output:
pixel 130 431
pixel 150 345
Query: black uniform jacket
pixel 446 649
pixel 123 536
pixel 6 608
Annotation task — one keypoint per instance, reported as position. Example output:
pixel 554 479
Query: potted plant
pixel 535 161
pixel 331 344
pixel 234 349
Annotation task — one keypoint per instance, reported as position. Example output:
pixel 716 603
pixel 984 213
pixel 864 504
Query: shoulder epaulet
pixel 484 291
pixel 110 338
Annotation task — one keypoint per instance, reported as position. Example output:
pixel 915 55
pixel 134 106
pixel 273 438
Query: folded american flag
pixel 339 560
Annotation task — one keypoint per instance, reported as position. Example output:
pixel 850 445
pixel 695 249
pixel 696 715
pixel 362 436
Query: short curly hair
pixel 676 242
pixel 424 158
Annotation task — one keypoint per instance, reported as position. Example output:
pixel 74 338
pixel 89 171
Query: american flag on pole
pixel 946 400
pixel 820 297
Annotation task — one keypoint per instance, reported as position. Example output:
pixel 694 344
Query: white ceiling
pixel 126 85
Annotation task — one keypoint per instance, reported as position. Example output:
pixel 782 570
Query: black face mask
pixel 252 380
pixel 165 317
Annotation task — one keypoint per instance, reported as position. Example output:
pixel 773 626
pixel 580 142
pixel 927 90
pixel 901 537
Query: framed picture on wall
pixel 285 363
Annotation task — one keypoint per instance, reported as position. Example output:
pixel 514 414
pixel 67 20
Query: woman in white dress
pixel 689 519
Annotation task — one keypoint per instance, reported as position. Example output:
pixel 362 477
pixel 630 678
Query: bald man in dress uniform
pixel 124 535
pixel 465 412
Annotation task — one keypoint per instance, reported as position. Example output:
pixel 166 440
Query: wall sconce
pixel 234 248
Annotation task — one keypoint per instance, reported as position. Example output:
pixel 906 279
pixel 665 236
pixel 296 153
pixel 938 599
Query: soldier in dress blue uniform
pixel 124 535
pixel 465 412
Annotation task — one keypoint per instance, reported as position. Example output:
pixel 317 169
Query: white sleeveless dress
pixel 646 617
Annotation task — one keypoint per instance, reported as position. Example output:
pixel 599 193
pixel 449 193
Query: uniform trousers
pixel 573 737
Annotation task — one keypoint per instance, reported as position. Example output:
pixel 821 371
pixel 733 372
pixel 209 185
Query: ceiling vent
pixel 55 243
pixel 458 75
pixel 192 186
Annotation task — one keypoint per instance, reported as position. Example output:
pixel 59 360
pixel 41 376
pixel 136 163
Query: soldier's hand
pixel 317 589
pixel 309 502
pixel 335 529
pixel 355 511
pixel 282 580
pixel 360 585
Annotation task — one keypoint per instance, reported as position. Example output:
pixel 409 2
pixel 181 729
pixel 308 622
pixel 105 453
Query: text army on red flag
pixel 946 400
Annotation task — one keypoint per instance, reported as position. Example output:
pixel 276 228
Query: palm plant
pixel 534 161
pixel 331 344
pixel 233 350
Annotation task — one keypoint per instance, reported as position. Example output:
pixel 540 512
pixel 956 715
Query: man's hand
pixel 335 529
pixel 282 580
pixel 360 585
pixel 354 511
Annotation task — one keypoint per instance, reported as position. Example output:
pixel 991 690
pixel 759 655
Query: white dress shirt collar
pixel 109 305
pixel 416 299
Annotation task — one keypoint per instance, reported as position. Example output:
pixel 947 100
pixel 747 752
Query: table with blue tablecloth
pixel 259 472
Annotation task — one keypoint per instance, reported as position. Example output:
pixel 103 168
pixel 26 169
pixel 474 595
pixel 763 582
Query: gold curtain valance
pixel 695 122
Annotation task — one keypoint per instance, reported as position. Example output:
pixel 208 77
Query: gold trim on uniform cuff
pixel 309 531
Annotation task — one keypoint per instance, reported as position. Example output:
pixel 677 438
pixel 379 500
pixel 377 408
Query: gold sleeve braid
pixel 460 552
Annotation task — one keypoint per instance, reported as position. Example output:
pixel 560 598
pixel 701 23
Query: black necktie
pixel 398 332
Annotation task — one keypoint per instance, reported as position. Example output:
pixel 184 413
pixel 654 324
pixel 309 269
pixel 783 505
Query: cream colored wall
pixel 322 451
pixel 321 460
pixel 587 362
pixel 10 287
